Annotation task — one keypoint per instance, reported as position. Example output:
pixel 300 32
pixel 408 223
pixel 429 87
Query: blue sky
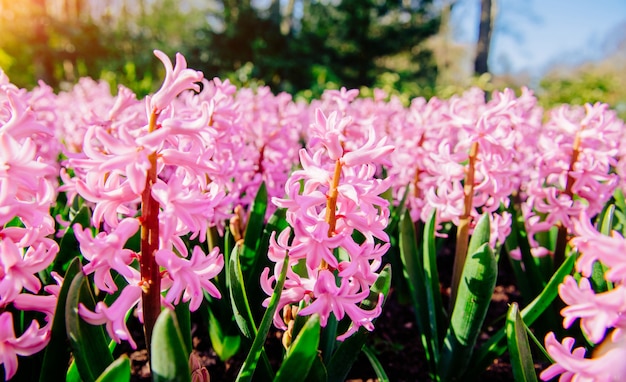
pixel 532 35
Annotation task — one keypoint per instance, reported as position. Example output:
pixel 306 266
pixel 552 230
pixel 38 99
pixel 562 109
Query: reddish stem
pixel 561 240
pixel 150 275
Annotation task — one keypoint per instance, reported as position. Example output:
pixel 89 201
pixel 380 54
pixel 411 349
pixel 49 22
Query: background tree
pixel 357 41
pixel 485 27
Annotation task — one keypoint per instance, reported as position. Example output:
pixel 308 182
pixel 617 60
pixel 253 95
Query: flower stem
pixel 462 233
pixel 561 240
pixel 150 275
pixel 331 205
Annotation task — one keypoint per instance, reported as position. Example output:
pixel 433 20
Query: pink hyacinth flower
pixel 177 79
pixel 597 312
pixel 191 277
pixel 106 251
pixel 340 300
pixel 18 268
pixel 607 365
pixel 114 316
pixel 30 342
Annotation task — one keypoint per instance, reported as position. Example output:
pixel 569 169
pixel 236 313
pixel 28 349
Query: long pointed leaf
pixel 57 354
pixel 247 369
pixel 183 317
pixel 118 371
pixel 254 230
pixel 348 351
pixel 519 349
pixel 496 345
pixel 474 295
pixel 238 297
pixel 376 365
pixel 89 343
pixel 169 360
pixel 224 341
pixel 431 276
pixel 605 226
pixel 301 353
pixel 413 271
pixel 69 247
pixel 481 234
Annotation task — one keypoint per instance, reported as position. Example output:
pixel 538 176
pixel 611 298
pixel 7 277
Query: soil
pixel 395 340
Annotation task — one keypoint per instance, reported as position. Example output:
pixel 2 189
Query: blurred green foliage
pixel 598 83
pixel 299 46
pixel 294 45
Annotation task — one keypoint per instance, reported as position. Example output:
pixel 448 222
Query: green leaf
pixel 69 248
pixel 481 234
pixel 118 371
pixel 376 365
pixel 183 317
pixel 301 353
pixel 413 271
pixel 277 223
pixel 514 241
pixel 328 338
pixel 238 297
pixel 89 343
pixel 250 364
pixel 528 268
pixel 519 349
pixel 57 354
pixel 254 230
pixel 605 219
pixel 169 360
pixel 605 226
pixel 225 343
pixel 436 316
pixel 347 352
pixel 397 212
pixel 496 345
pixel 474 295
pixel 317 372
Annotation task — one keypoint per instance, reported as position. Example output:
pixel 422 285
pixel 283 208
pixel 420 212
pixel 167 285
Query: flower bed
pixel 251 209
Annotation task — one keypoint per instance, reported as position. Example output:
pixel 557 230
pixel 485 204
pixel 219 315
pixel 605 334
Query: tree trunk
pixel 484 37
